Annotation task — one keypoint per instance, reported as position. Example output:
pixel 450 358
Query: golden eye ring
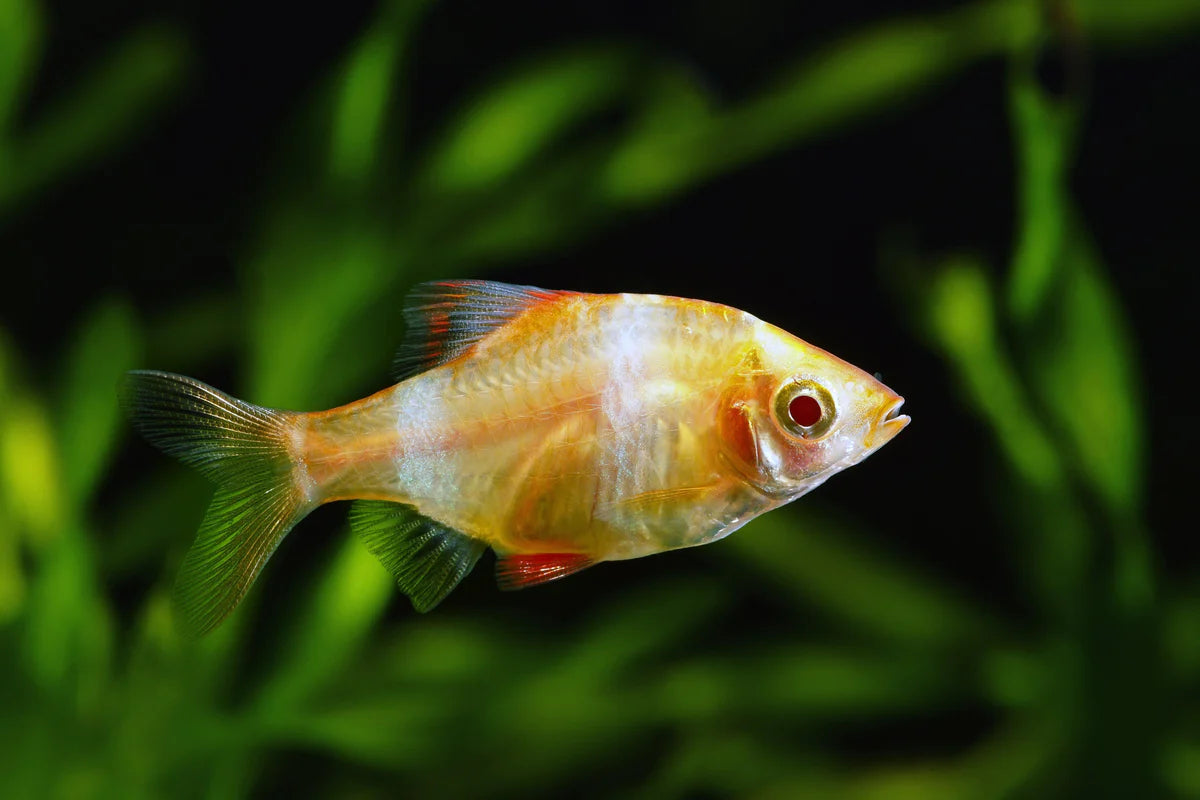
pixel 805 409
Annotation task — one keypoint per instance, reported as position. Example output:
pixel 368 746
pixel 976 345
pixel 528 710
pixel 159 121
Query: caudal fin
pixel 249 452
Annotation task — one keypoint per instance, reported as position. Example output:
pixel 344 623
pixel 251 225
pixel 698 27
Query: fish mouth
pixel 891 422
pixel 892 419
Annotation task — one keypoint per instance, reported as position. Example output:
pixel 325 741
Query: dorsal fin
pixel 445 318
pixel 427 558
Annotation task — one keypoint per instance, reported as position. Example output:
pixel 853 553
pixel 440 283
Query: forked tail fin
pixel 249 451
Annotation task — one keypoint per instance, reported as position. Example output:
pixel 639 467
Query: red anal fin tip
pixel 519 570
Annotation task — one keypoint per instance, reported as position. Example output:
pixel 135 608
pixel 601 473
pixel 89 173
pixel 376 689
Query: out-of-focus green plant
pixel 92 707
pixel 1046 360
pixel 108 106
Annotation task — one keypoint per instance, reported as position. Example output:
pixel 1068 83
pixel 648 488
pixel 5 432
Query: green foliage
pixel 102 112
pixel 99 703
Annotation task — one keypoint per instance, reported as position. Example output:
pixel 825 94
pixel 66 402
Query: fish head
pixel 791 415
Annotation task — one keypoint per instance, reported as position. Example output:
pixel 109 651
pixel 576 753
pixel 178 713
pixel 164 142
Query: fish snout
pixel 889 422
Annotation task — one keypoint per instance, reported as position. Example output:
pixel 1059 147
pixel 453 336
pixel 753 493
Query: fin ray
pixel 428 559
pixel 520 570
pixel 446 318
pixel 246 450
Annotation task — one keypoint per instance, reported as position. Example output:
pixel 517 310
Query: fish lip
pixel 890 422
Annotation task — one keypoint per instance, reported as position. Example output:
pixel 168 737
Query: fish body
pixel 560 429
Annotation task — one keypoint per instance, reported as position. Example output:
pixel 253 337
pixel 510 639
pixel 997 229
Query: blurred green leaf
pixel 1084 368
pixel 1181 645
pixel 959 314
pixel 68 635
pixel 1181 767
pixel 155 516
pixel 544 207
pixel 30 472
pixel 193 331
pixel 89 418
pixel 331 628
pixel 803 685
pixel 727 761
pixel 358 119
pixel 639 625
pixel 862 73
pixel 501 131
pixel 309 279
pixel 1121 22
pixel 20 41
pixel 12 573
pixel 817 559
pixel 1000 767
pixel 1045 136
pixel 367 86
pixel 961 321
pixel 1076 339
pixel 111 101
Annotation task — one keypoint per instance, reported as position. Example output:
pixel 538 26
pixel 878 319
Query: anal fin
pixel 427 558
pixel 519 570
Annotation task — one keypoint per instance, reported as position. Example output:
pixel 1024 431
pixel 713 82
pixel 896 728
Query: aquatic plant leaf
pixel 960 317
pixel 809 683
pixel 551 203
pixel 1122 23
pixel 1083 363
pixel 67 638
pixel 862 73
pixel 1074 331
pixel 106 345
pixel 12 572
pixel 192 333
pixel 813 559
pixel 333 623
pixel 638 626
pixel 1045 137
pixel 20 44
pixel 301 305
pixel 1181 766
pixel 97 115
pixel 365 91
pixel 146 521
pixel 511 122
pixel 361 104
pixel 858 75
pixel 31 471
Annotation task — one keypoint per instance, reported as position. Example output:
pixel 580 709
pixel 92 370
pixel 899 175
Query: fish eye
pixel 805 408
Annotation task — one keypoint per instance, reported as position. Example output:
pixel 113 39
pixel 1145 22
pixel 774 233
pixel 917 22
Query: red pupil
pixel 805 411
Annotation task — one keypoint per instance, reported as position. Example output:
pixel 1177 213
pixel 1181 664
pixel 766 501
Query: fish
pixel 560 429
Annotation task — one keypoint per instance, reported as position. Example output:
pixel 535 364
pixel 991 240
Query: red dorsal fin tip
pixel 447 318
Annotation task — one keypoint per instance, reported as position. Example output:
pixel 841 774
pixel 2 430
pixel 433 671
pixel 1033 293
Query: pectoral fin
pixel 518 570
pixel 427 558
